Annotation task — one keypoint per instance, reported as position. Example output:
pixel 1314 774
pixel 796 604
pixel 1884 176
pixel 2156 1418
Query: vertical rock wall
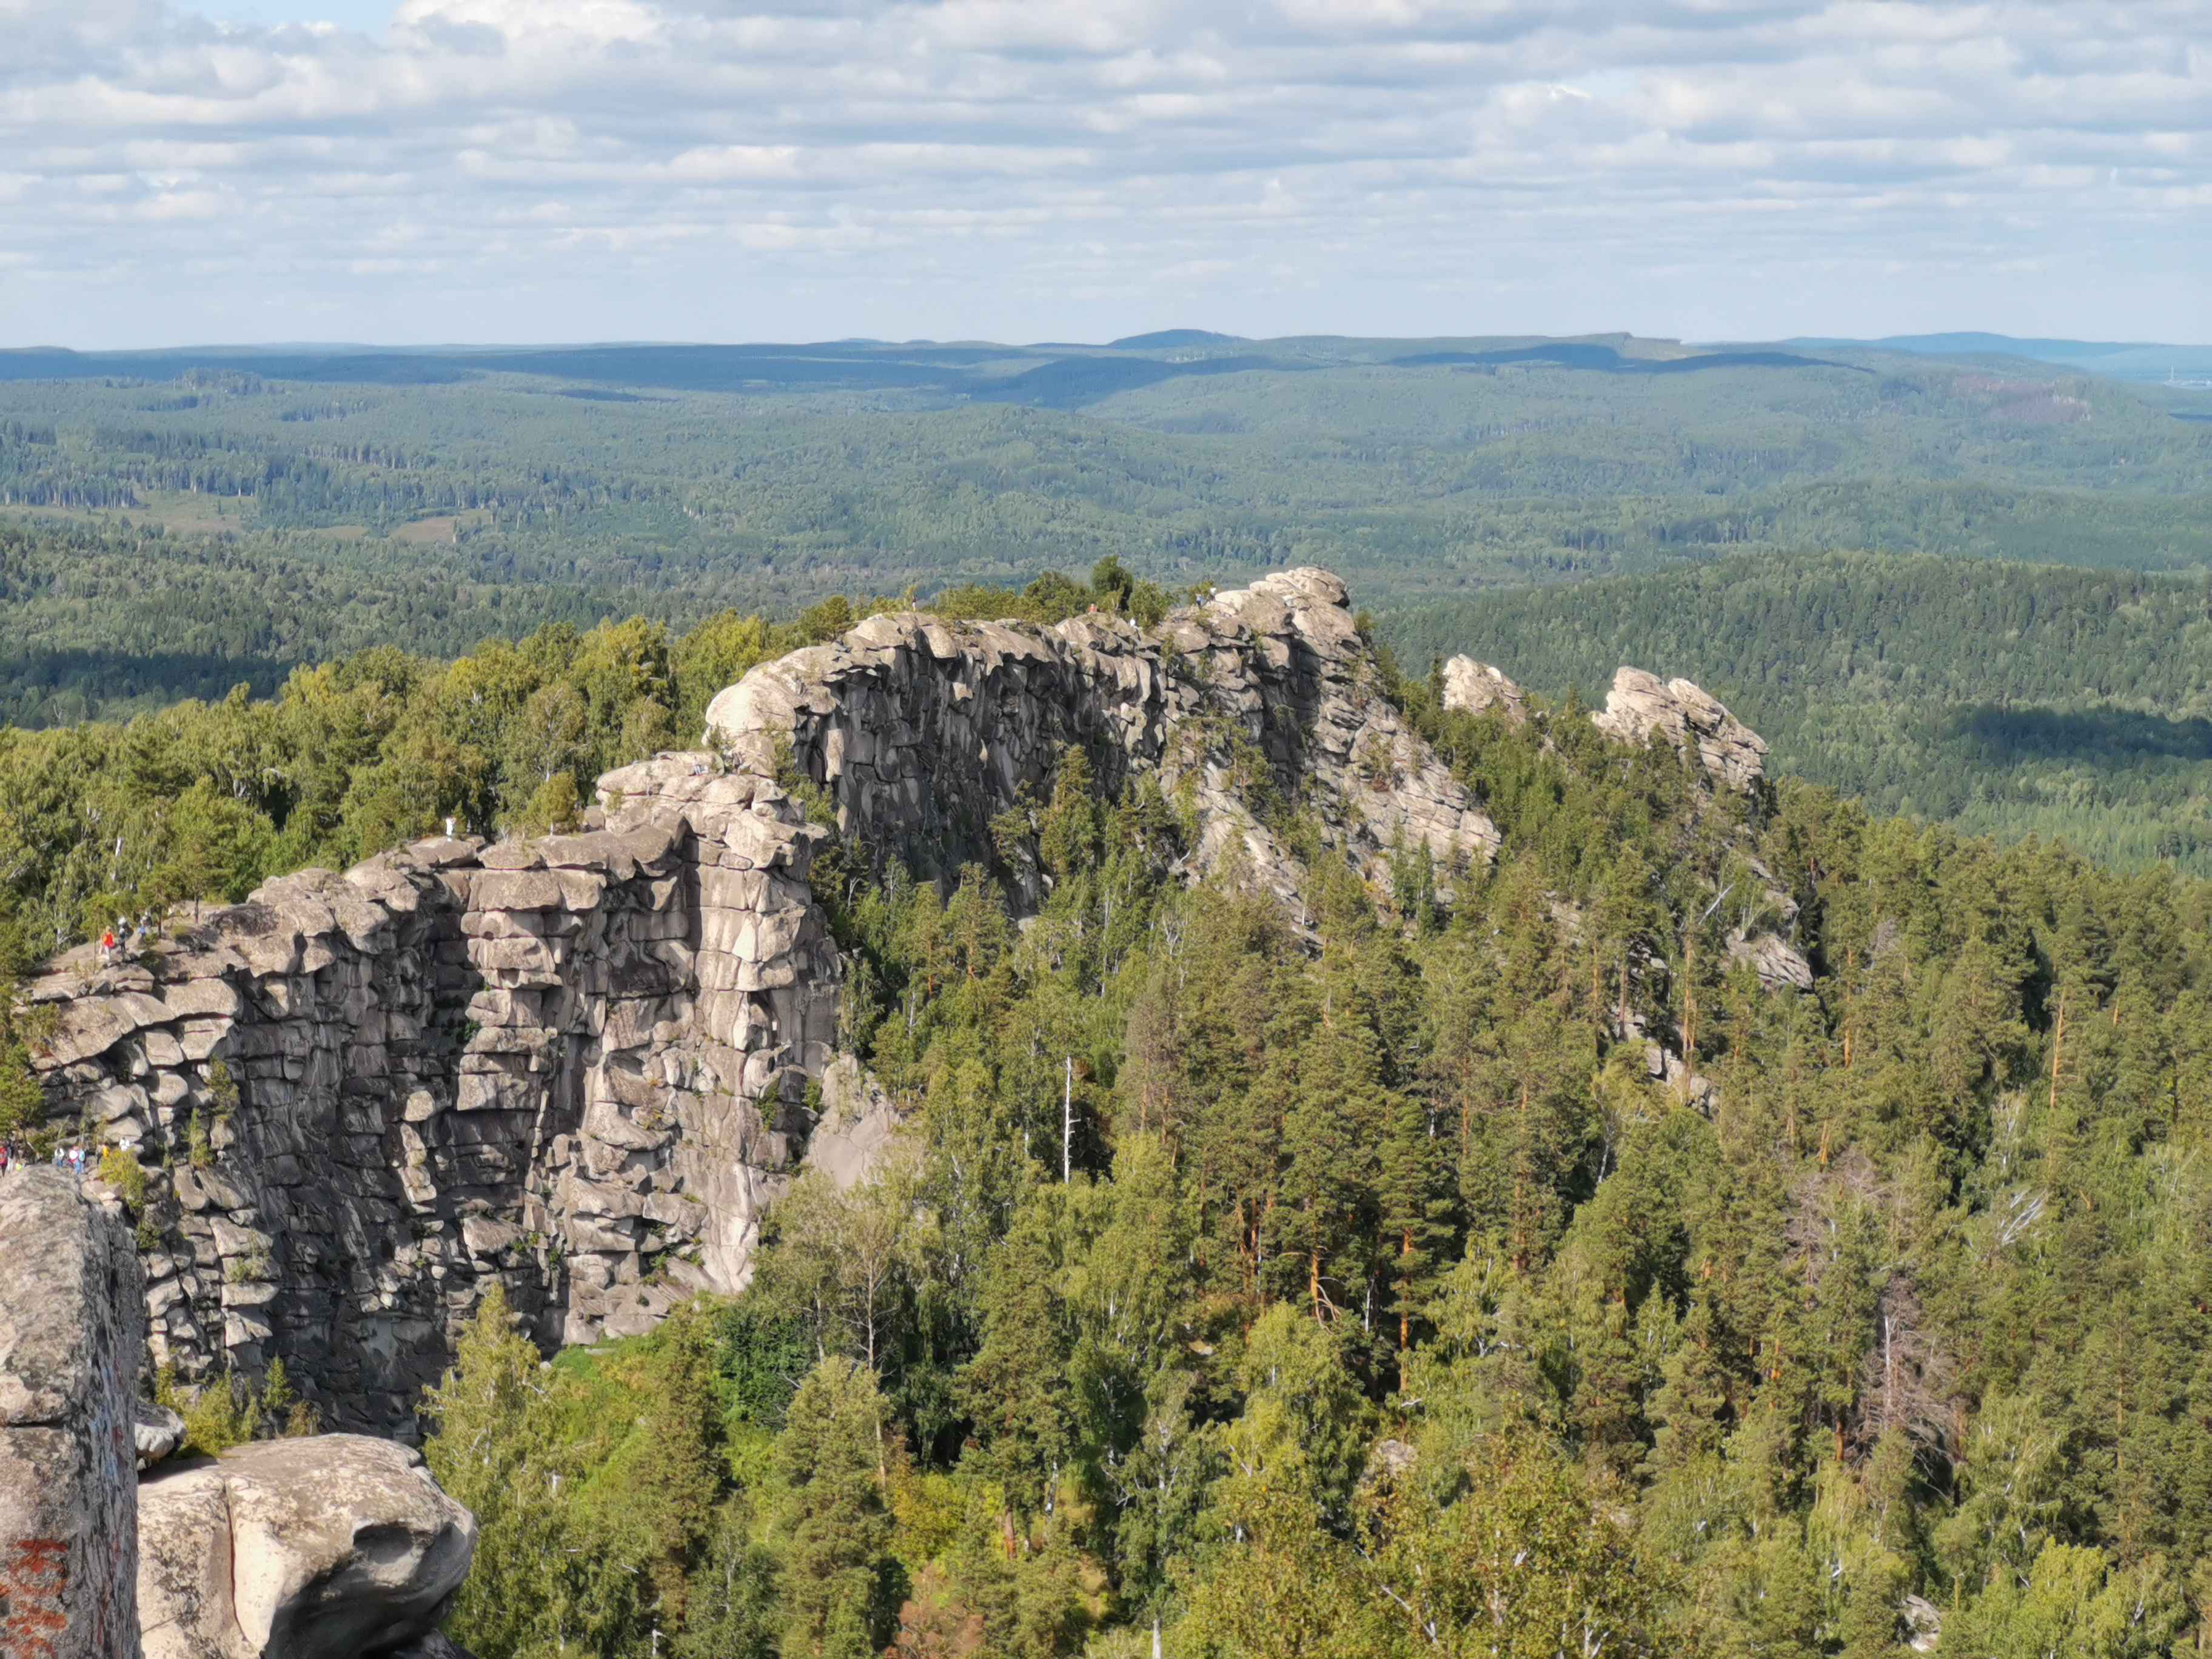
pixel 573 1064
pixel 69 1338
pixel 923 730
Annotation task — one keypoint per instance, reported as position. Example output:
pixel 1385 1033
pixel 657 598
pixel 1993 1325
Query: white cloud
pixel 574 168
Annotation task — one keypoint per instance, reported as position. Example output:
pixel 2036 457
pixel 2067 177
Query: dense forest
pixel 1360 1297
pixel 292 509
pixel 2007 699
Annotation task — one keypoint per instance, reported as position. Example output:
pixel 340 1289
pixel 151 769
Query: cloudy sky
pixel 496 170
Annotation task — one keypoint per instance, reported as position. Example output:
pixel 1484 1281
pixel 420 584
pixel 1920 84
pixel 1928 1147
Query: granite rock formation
pixel 157 1431
pixel 71 1324
pixel 922 730
pixel 324 1547
pixel 579 1064
pixel 1475 687
pixel 335 1546
pixel 1642 708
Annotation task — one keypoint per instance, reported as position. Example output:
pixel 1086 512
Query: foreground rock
pixel 580 1065
pixel 334 1547
pixel 70 1336
pixel 1643 709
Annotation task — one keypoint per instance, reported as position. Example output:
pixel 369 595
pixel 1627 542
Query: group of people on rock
pixel 71 1159
pixel 124 941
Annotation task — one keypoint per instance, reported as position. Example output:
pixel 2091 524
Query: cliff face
pixel 579 1064
pixel 562 1062
pixel 923 730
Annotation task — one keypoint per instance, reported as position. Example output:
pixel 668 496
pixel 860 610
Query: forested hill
pixel 1357 1295
pixel 168 520
pixel 2005 698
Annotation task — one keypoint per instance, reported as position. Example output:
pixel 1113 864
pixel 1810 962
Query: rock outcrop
pixel 580 1065
pixel 70 1323
pixel 923 730
pixel 1475 687
pixel 1642 708
pixel 335 1546
pixel 575 1064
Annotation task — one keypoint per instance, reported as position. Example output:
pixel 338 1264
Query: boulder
pixel 331 1546
pixel 156 1430
pixel 857 1124
pixel 72 1329
pixel 1475 687
pixel 1642 708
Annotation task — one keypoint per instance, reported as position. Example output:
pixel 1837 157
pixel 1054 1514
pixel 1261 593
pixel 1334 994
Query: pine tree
pixel 836 1528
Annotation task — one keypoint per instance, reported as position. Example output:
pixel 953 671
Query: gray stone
pixel 333 1547
pixel 156 1430
pixel 1475 687
pixel 71 1330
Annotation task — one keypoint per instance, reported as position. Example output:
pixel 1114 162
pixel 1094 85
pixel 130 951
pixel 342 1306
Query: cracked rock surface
pixel 69 1336
pixel 1643 708
pixel 1476 687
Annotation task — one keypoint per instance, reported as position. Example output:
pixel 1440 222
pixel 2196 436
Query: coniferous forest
pixel 1357 1292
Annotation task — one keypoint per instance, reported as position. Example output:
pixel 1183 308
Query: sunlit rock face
pixel 923 730
pixel 1476 687
pixel 1643 708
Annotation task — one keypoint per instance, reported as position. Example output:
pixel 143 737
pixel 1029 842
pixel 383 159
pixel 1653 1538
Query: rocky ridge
pixel 922 730
pixel 579 1064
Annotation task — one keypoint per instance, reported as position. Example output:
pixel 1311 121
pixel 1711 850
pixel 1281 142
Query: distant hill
pixel 2128 360
pixel 1606 360
pixel 310 501
pixel 1167 339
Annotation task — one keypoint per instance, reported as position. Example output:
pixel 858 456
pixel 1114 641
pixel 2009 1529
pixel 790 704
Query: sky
pixel 234 171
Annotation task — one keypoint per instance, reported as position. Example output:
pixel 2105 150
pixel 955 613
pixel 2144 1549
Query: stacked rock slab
pixel 572 1064
pixel 579 1065
pixel 69 1336
pixel 1642 708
